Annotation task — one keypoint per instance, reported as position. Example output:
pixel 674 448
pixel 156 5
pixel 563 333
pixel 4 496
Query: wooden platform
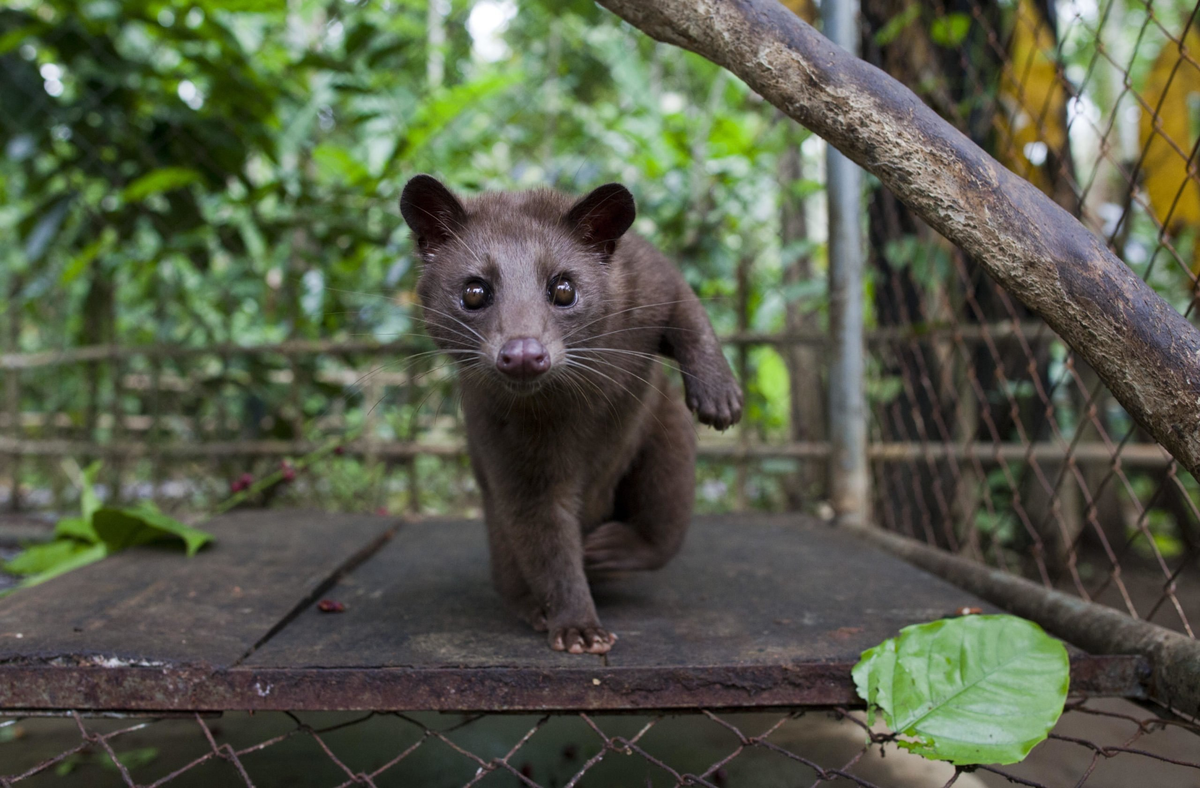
pixel 757 611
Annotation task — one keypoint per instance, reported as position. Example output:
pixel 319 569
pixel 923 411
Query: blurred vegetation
pixel 194 172
pixel 201 173
pixel 229 171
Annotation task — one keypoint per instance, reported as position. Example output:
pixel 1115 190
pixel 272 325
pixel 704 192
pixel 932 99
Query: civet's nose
pixel 523 359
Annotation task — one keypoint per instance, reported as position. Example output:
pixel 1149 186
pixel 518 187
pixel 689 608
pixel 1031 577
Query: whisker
pixel 580 365
pixel 456 320
pixel 624 388
pixel 451 329
pixel 413 380
pixel 577 392
pixel 357 386
pixel 571 366
pixel 386 334
pixel 639 377
pixel 634 328
pixel 577 329
pixel 463 371
pixel 634 353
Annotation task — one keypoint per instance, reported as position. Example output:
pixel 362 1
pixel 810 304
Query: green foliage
pixel 896 25
pixel 1156 532
pixel 131 759
pixel 228 172
pixel 950 30
pixel 210 172
pixel 97 532
pixel 970 690
pixel 48 561
pixel 769 388
pixel 40 558
pixel 161 180
pixel 121 528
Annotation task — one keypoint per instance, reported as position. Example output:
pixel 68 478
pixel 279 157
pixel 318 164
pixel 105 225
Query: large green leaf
pixel 80 555
pixel 978 689
pixel 39 558
pixel 76 528
pixel 121 528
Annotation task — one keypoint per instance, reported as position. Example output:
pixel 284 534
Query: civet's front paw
pixel 718 404
pixel 582 639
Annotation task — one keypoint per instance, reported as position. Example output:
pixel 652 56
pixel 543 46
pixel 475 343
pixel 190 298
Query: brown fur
pixel 589 467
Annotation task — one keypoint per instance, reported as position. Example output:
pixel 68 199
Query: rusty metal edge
pixel 498 689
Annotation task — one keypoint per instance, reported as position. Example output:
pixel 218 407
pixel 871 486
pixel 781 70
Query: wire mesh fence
pixel 134 173
pixel 1088 108
pixel 819 747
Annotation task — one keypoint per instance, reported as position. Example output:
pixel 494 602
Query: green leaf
pixel 245 6
pixel 950 30
pixel 164 179
pixel 132 759
pixel 46 230
pixel 121 528
pixel 895 26
pixel 972 690
pixel 436 113
pixel 76 528
pixel 80 528
pixel 86 256
pixel 336 163
pixel 89 503
pixel 14 38
pixel 81 557
pixel 39 558
pixel 873 677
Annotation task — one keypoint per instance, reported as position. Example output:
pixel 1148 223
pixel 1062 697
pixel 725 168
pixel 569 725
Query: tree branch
pixel 1147 353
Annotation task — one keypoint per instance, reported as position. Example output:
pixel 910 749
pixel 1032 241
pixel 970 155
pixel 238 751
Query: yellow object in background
pixel 1168 132
pixel 1031 117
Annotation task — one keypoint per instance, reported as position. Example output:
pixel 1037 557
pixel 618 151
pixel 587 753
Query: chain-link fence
pixel 835 747
pixel 1022 458
pixel 158 227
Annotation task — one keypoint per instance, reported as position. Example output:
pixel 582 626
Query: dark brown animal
pixel 556 316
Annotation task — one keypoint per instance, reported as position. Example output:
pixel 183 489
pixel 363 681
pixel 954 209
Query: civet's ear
pixel 432 212
pixel 602 217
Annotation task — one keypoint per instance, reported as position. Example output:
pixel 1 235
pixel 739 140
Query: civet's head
pixel 511 279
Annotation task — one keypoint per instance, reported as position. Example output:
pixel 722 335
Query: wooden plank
pixel 745 590
pixel 756 612
pixel 765 590
pixel 153 606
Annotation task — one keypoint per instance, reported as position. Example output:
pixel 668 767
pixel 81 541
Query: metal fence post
pixel 848 477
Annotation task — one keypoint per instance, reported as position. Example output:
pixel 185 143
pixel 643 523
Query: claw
pixel 582 640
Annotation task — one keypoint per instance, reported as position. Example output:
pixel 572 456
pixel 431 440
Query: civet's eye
pixel 476 295
pixel 562 292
